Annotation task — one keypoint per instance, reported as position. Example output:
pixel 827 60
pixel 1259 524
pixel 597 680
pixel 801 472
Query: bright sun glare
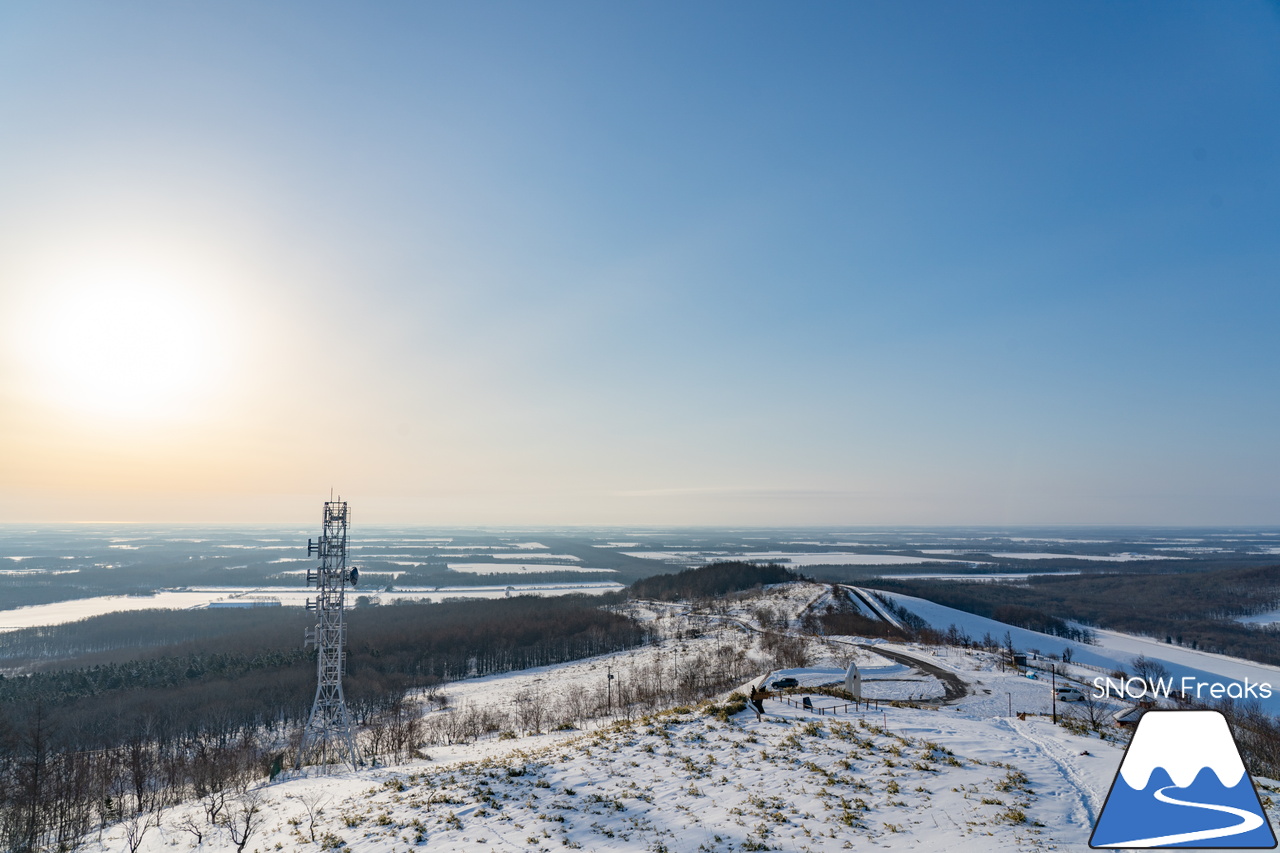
pixel 123 346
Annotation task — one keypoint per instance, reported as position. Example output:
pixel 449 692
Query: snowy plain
pixel 521 568
pixel 1271 617
pixel 1126 557
pixel 797 558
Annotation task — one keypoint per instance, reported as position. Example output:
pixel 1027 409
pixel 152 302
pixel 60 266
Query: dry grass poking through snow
pixel 680 781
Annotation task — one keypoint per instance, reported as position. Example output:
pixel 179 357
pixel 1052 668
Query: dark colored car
pixel 783 683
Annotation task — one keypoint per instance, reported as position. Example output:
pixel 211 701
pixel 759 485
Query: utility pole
pixel 328 731
pixel 1054 671
pixel 609 688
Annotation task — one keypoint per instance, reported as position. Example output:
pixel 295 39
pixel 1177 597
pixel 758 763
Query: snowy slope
pixel 929 780
pixel 1113 651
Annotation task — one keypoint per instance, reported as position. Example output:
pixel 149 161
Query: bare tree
pixel 313 802
pixel 1090 711
pixel 531 708
pixel 245 817
pixel 1150 671
pixel 214 801
pixel 136 827
pixel 192 824
pixel 787 650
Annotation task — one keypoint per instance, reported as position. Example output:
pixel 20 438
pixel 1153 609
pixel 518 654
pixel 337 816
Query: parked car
pixel 1069 694
pixel 783 683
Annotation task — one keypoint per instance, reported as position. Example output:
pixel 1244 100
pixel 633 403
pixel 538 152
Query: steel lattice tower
pixel 327 737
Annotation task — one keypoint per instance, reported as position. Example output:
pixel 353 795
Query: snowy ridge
pixel 1183 743
pixel 901 779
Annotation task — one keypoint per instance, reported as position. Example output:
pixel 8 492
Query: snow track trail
pixel 1049 752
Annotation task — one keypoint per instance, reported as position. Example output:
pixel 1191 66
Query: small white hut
pixel 853 681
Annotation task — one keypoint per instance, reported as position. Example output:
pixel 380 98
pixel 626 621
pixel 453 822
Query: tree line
pixel 709 581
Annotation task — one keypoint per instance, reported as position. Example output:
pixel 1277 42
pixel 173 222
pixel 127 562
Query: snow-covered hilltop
pixel 956 774
pixel 898 778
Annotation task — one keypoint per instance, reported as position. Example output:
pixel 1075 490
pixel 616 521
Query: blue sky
pixel 747 263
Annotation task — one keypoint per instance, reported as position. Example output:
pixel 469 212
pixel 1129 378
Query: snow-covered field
pixel 790 558
pixel 521 568
pixel 1111 558
pixel 1126 557
pixel 517 546
pixel 1271 617
pixel 835 544
pixel 965 776
pixel 974 576
pixel 836 559
pixel 291 596
pixel 568 557
pixel 902 778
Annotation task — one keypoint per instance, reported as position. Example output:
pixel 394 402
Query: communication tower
pixel 327 737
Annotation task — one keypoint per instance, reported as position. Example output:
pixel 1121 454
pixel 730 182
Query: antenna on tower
pixel 328 731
